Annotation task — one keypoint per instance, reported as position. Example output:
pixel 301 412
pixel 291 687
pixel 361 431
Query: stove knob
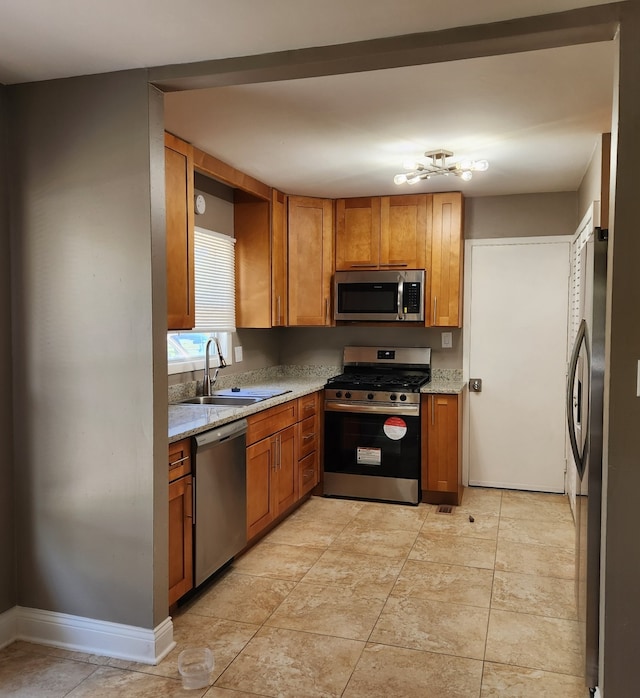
pixel 338 393
pixel 347 395
pixel 403 397
pixel 370 396
pixel 393 396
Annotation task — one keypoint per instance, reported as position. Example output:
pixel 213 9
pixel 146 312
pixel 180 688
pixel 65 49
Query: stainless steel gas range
pixel 372 424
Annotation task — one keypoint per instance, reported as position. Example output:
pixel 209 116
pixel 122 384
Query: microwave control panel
pixel 411 297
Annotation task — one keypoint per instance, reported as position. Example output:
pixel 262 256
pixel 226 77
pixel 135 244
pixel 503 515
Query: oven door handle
pixel 400 296
pixel 368 408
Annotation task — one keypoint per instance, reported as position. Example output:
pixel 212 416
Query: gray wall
pixel 89 316
pixel 7 530
pixel 591 185
pixel 520 215
pixel 323 345
pixel 621 565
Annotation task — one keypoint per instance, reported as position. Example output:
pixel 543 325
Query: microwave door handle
pixel 400 296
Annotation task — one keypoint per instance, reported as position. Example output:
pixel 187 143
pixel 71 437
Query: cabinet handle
pixel 308 437
pixel 278 451
pixel 189 512
pixel 180 460
pixel 193 501
pixel 278 310
pixel 397 264
pixel 366 266
pixel 433 409
pixel 326 310
pixel 435 306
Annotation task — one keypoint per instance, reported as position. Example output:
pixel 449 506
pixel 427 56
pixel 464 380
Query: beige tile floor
pixel 367 600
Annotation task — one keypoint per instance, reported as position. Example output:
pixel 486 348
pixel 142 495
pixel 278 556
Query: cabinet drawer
pixel 272 420
pixel 308 473
pixel 179 459
pixel 308 405
pixel 307 436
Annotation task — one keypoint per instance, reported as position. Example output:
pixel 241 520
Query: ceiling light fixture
pixel 417 171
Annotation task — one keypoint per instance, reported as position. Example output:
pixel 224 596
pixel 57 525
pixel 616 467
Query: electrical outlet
pixel 447 340
pixel 238 354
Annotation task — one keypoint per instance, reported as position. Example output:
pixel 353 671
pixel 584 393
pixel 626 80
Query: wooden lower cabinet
pixel 271 479
pixel 180 520
pixel 308 443
pixel 441 465
pixel 282 459
pixel 272 472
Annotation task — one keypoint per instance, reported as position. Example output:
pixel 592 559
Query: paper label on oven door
pixel 368 456
pixel 395 428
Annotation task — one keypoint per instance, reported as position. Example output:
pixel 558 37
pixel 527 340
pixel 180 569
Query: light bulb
pixel 466 175
pixel 400 179
pixel 481 165
pixel 465 165
pixel 414 179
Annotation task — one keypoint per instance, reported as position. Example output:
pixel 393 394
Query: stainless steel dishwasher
pixel 220 499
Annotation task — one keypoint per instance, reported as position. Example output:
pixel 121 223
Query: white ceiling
pixel 535 116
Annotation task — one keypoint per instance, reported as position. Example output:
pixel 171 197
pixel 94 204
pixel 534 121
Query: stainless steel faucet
pixel 207 381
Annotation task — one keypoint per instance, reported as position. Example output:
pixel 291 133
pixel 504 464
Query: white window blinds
pixel 215 281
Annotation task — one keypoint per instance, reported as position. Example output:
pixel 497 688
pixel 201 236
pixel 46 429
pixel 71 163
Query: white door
pixel 516 342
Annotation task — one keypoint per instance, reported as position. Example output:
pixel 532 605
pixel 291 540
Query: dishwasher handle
pixel 213 437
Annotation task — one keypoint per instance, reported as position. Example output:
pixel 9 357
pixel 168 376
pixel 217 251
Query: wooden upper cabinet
pixel 403 231
pixel 252 225
pixel 357 233
pixel 386 232
pixel 310 224
pixel 279 266
pixel 179 233
pixel 445 249
pixel 260 228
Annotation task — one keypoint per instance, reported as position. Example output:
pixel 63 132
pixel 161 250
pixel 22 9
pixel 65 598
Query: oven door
pixel 372 455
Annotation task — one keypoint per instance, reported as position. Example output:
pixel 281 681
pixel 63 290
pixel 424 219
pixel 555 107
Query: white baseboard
pixel 8 626
pixel 88 635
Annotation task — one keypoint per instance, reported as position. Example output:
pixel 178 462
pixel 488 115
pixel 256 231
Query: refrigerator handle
pixel 580 458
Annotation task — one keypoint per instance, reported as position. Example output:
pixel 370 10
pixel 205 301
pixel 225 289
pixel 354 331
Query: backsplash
pixel 446 375
pixel 182 391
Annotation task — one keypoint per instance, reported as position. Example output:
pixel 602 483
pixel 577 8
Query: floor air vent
pixel 444 509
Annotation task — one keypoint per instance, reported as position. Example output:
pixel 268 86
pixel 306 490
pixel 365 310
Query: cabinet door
pixel 286 469
pixel 260 499
pixel 403 231
pixel 279 249
pixel 180 538
pixel 441 463
pixel 310 223
pixel 446 247
pixel 179 233
pixel 357 233
pixel 252 226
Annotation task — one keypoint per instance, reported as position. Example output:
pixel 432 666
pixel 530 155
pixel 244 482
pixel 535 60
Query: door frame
pixel 466 332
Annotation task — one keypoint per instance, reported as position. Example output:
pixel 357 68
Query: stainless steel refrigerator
pixel 585 393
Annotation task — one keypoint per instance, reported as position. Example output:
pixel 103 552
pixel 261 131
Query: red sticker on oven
pixel 395 428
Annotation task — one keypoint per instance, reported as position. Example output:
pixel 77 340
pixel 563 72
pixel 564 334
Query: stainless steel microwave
pixel 380 296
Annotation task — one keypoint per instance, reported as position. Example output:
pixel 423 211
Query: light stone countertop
pixel 445 381
pixel 188 420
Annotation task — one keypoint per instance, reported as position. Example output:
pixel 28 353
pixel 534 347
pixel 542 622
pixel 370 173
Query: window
pixel 214 256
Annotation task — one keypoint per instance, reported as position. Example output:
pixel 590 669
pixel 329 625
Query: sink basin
pixel 222 400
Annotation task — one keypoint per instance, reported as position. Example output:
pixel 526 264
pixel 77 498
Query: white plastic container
pixel 195 666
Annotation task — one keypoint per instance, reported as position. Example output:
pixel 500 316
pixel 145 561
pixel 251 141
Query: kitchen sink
pixel 221 400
